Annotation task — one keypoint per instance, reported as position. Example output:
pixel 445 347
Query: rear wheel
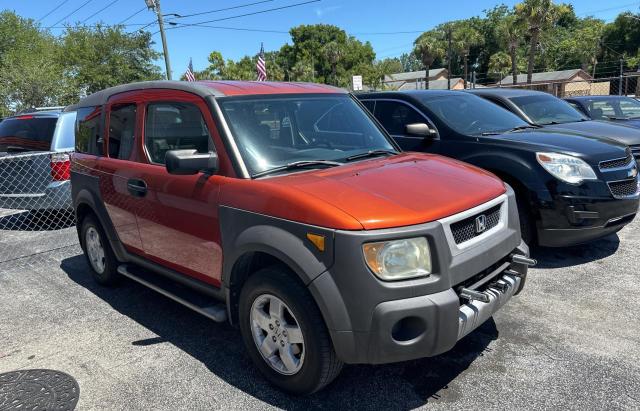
pixel 97 250
pixel 285 334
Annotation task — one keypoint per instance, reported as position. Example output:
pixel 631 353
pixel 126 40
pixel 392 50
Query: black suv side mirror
pixel 420 129
pixel 188 162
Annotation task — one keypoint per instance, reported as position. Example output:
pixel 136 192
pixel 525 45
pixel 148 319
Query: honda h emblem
pixel 481 223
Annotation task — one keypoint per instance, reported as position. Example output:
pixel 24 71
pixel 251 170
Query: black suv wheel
pixel 285 334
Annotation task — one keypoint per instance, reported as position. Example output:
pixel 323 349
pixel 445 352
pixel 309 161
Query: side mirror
pixel 188 162
pixel 420 129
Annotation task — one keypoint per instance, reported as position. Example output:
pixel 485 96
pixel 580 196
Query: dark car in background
pixel 570 188
pixel 620 109
pixel 550 112
pixel 34 160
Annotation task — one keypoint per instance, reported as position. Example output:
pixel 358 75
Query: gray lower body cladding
pixel 55 196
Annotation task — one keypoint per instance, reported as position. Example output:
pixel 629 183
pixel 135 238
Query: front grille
pixel 624 188
pixel 617 163
pixel 465 230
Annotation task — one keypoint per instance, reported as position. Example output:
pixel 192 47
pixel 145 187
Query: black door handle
pixel 136 187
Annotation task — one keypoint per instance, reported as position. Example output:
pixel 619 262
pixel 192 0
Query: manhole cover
pixel 38 390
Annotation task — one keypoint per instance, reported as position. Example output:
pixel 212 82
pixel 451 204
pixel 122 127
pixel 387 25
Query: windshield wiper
pixel 298 164
pixel 371 153
pixel 525 127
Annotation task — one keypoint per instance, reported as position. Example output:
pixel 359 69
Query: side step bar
pixel 199 303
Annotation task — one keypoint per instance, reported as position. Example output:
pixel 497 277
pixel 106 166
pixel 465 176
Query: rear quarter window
pixel 89 130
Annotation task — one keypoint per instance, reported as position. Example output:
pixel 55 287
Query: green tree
pixel 103 56
pixel 538 15
pixel 465 36
pixel 30 75
pixel 500 63
pixel 510 30
pixel 428 47
pixel 216 67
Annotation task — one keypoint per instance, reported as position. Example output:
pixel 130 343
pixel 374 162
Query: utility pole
pixel 621 75
pixel 155 6
pixel 449 34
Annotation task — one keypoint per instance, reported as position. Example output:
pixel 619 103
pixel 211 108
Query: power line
pixel 609 9
pixel 224 9
pixel 70 14
pixel 54 9
pixel 100 11
pixel 131 16
pixel 238 28
pixel 245 15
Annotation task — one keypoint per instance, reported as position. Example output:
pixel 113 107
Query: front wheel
pixel 285 334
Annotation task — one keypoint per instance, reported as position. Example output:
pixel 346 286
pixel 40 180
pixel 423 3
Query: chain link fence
pixel 35 191
pixel 627 85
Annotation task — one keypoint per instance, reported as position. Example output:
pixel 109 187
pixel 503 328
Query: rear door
pixel 118 167
pixel 179 220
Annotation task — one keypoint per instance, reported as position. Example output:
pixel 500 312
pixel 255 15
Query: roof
pixel 433 84
pixel 412 93
pixel 506 92
pixel 547 76
pixel 45 113
pixel 209 88
pixel 413 75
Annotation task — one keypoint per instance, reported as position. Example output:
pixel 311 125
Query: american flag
pixel 189 73
pixel 261 67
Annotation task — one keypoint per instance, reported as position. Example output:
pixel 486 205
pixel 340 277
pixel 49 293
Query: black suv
pixel 570 188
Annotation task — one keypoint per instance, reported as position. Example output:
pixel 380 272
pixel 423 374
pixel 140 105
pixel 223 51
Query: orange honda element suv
pixel 287 210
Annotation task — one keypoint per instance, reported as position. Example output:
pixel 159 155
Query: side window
pixel 395 115
pixel 601 109
pixel 122 127
pixel 88 130
pixel 369 104
pixel 174 126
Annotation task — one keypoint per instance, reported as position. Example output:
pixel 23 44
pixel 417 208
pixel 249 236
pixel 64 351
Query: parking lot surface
pixel 571 340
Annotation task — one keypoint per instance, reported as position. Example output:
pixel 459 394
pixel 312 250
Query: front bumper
pixel 572 220
pixel 56 196
pixel 372 321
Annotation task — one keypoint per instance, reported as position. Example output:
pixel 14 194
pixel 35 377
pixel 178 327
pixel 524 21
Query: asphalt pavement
pixel 570 340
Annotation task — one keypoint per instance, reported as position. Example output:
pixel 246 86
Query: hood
pixel 635 122
pixel 592 149
pixel 397 191
pixel 619 131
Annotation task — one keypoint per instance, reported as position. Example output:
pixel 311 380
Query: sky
pixel 390 26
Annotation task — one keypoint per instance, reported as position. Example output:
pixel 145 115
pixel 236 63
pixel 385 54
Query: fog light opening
pixel 408 329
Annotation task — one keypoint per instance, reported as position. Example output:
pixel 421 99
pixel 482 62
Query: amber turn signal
pixel 317 240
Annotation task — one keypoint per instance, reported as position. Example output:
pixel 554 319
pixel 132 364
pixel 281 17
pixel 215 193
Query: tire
pixel 317 360
pixel 104 269
pixel 526 223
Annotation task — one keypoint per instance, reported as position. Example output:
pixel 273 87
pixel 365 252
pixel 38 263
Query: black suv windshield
pixel 472 115
pixel 28 132
pixel 273 132
pixel 546 109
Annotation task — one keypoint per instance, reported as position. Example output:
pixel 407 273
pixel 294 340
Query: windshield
pixel 623 107
pixel 275 131
pixel 468 114
pixel 26 133
pixel 547 109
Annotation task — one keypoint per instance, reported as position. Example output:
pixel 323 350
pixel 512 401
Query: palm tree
pixel 428 47
pixel 499 63
pixel 333 53
pixel 510 30
pixel 537 15
pixel 466 36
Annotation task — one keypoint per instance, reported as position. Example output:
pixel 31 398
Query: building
pixel 411 79
pixel 560 83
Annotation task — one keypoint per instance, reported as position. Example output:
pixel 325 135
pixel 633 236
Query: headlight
pixel 399 259
pixel 566 168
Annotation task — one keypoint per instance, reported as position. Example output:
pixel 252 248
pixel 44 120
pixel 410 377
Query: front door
pixel 394 115
pixel 179 224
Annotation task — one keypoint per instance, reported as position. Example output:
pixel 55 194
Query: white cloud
pixel 322 11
